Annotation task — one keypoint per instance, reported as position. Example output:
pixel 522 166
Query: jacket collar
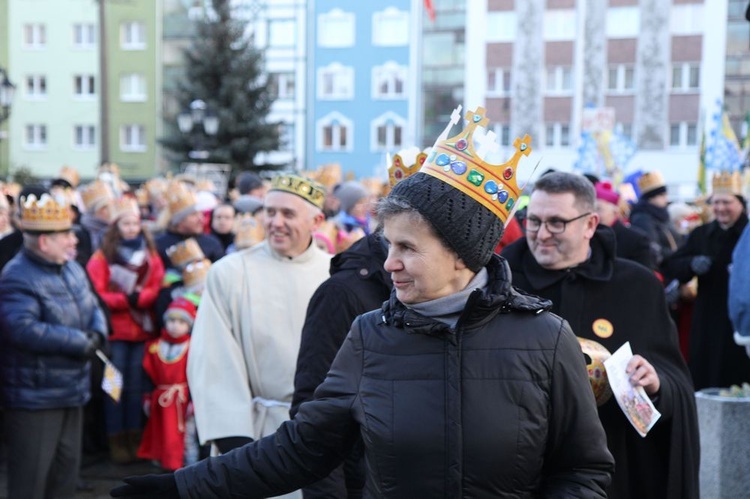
pixel 366 257
pixel 42 262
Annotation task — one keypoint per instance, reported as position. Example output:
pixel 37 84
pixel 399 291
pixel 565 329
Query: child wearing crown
pixel 168 431
pixel 127 273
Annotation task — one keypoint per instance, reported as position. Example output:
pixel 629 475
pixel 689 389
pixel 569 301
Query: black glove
pixel 95 341
pixel 148 487
pixel 133 299
pixel 700 264
pixel 227 444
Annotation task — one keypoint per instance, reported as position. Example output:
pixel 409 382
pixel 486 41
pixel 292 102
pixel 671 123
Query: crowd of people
pixel 310 336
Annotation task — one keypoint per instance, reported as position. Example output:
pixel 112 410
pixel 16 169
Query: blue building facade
pixel 359 69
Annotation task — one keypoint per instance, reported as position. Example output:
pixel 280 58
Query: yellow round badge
pixel 602 328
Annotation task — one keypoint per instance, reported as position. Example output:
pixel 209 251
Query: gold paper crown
pixel 405 163
pixel 727 183
pixel 70 175
pixel 650 181
pixel 327 175
pixel 374 186
pixel 185 252
pixel 195 272
pixel 307 189
pixel 126 205
pixel 44 214
pixel 179 199
pixel 456 162
pixel 96 193
pixel 249 232
pixel 156 187
pixel 141 196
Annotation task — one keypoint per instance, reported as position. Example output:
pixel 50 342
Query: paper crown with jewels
pixel 180 200
pixel 457 162
pixel 185 252
pixel 95 194
pixel 727 183
pixel 249 231
pixel 405 163
pixel 44 214
pixel 650 181
pixel 309 190
pixel 195 273
pixel 125 205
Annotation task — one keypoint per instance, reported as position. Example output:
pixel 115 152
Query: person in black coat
pixel 715 360
pixel 651 216
pixel 358 284
pixel 459 385
pixel 569 258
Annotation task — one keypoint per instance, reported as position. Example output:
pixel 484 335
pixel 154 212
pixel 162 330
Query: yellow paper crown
pixel 70 175
pixel 156 187
pixel 44 214
pixel 249 232
pixel 125 206
pixel 405 163
pixel 180 199
pixel 457 162
pixel 96 193
pixel 185 252
pixel 727 183
pixel 650 181
pixel 307 189
pixel 195 272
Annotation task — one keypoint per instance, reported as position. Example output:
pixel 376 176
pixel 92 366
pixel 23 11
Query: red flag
pixel 430 9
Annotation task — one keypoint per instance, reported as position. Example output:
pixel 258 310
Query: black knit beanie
pixel 470 229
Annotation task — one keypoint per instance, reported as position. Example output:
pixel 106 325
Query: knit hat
pixel 181 308
pixel 470 229
pixel 349 193
pixel 605 192
pixel 247 181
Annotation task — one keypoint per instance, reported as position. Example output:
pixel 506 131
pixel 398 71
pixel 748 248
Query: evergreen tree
pixel 224 70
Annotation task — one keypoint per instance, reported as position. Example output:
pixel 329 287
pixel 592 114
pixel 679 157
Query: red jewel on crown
pixel 508 173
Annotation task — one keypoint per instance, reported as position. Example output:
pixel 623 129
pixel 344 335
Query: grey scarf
pixel 448 309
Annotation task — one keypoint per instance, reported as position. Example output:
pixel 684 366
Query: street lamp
pixel 199 114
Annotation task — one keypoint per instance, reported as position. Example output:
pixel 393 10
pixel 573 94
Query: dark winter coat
pixel 715 359
pixel 664 464
pixel 633 244
pixel 501 406
pixel 45 311
pixel 358 284
pixel 655 222
pixel 211 247
pixel 10 245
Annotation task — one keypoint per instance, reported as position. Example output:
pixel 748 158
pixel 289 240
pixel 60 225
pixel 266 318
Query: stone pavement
pixel 97 470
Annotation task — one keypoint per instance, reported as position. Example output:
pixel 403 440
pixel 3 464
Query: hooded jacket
pixel 629 300
pixel 500 406
pixel 654 221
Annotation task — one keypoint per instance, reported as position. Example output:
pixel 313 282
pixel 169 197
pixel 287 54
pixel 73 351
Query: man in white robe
pixel 246 337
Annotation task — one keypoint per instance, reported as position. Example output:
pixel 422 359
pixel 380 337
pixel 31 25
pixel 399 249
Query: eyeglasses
pixel 554 225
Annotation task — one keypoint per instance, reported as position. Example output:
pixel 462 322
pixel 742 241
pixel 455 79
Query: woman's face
pixel 223 221
pixel 421 267
pixel 129 226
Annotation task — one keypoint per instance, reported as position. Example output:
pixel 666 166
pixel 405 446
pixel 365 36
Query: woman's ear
pixel 460 265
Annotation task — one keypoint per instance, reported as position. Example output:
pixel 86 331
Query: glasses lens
pixel 555 226
pixel 531 224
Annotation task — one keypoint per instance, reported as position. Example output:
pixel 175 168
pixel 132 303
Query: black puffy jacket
pixel 499 407
pixel 45 311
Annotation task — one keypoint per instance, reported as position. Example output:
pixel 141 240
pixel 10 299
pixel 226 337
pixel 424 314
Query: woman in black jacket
pixel 460 386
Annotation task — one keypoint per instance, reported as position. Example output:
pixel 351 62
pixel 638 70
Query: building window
pixel 559 24
pixel 286 137
pixel 335 133
pixel 504 26
pixel 335 82
pixel 35 137
pixel 133 35
pixel 557 135
pixel 281 85
pixel 498 81
pixel 559 80
pixel 133 138
pixel 84 137
pixel 503 132
pixel 389 81
pixel 84 36
pixel 683 135
pixel 620 78
pixel 133 87
pixel 625 129
pixel 83 86
pixel 387 132
pixel 686 77
pixel 336 29
pixel 390 28
pixel 623 22
pixel 36 87
pixel 282 33
pixel 34 36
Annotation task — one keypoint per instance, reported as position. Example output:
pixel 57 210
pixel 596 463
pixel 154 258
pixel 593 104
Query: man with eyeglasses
pixel 569 258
